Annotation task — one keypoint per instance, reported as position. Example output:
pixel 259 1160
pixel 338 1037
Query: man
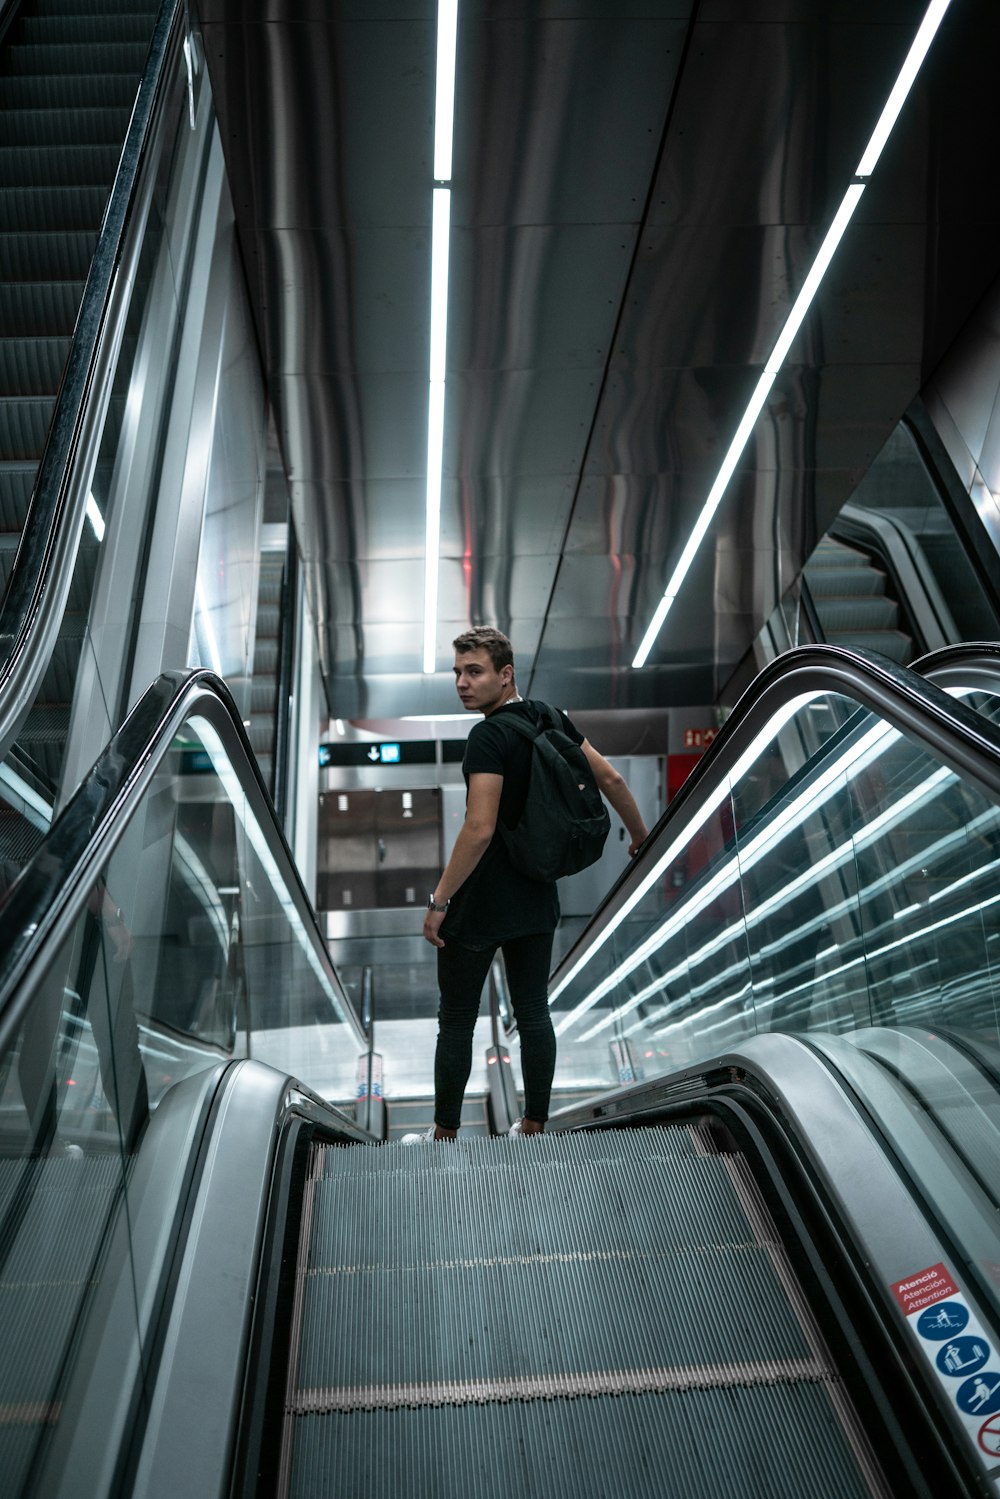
pixel 481 902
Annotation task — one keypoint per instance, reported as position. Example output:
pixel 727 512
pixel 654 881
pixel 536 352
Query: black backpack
pixel 564 824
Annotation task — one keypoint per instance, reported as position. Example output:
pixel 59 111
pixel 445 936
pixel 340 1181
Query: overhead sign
pixel 384 752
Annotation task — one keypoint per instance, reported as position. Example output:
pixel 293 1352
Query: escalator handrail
pixel 49 895
pixel 908 700
pixel 38 590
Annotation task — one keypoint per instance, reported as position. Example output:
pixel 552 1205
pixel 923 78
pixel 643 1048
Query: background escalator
pixel 69 72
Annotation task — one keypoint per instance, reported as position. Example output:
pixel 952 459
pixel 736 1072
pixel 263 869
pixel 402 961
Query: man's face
pixel 480 686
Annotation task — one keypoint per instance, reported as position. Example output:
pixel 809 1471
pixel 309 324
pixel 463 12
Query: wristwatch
pixel 432 904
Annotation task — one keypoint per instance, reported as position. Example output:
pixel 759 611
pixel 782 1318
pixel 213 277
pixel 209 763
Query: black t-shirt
pixel 497 902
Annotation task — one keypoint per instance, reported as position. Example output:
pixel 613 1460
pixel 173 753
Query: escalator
pixel 722 1278
pixel 69 75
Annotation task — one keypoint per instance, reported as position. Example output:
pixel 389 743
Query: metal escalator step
pixel 52 127
pixel 268 620
pixel 16 482
pixel 701 1445
pixel 72 29
pixel 47 723
pixel 891 643
pixel 262 694
pixel 269 589
pixel 842 582
pixel 779 1442
pixel 68 91
pixel 24 421
pixel 50 1270
pixel 32 258
pixel 19 838
pixel 265 659
pixel 100 7
pixel 39 309
pixel 31 366
pixel 27 60
pixel 48 208
pixel 61 165
pixel 568 1303
pixel 871 613
pixel 261 733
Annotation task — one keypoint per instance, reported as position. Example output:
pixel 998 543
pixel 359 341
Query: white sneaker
pixel 415 1139
pixel 515 1131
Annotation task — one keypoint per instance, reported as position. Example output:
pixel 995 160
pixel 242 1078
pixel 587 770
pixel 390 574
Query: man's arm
pixel 614 789
pixel 481 810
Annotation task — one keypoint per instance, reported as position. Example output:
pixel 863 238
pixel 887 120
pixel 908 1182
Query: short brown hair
pixel 486 638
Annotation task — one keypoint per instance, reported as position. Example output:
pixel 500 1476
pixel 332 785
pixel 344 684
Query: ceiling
pixel 638 192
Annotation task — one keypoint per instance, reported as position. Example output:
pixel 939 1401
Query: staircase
pixel 69 73
pixel 571 1316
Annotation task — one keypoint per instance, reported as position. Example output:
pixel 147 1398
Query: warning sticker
pixel 959 1351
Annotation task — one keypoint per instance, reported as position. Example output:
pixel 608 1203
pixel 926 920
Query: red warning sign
pixel 924 1288
pixel 989 1436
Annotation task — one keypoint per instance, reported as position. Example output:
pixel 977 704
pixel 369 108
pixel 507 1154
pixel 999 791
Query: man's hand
pixel 432 926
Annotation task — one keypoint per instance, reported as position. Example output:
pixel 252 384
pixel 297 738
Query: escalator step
pixel 61 165
pixel 265 659
pixel 39 309
pixel 52 256
pixel 47 723
pixel 891 643
pixel 68 91
pixel 263 692
pixel 842 582
pixel 51 1263
pixel 873 613
pixel 72 8
pixel 569 1303
pixel 268 619
pixel 16 482
pixel 31 366
pixel 52 127
pixel 24 421
pixel 77 29
pixel 52 208
pixel 125 59
pixel 782 1442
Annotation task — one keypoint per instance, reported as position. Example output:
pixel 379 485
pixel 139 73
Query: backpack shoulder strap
pixel 527 730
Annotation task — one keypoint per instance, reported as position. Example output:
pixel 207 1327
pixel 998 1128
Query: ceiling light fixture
pixel 887 119
pixel 444 113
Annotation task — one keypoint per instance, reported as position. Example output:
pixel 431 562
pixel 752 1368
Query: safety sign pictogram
pixel 958 1349
pixel 989 1436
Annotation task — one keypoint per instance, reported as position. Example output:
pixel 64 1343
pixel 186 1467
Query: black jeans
pixel 462 972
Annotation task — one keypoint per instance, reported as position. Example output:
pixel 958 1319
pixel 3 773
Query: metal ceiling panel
pixel 540 296
pixel 638 192
pixel 346 300
pixel 559 120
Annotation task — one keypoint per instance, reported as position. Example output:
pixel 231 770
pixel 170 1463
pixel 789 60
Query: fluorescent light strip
pixel 926 33
pixel 887 119
pixel 444 102
pixel 444 120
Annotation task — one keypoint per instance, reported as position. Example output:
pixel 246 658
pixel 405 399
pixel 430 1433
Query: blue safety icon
pixel 942 1321
pixel 980 1396
pixel 963 1356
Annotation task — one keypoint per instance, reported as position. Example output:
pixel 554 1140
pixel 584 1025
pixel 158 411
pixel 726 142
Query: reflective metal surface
pixel 638 193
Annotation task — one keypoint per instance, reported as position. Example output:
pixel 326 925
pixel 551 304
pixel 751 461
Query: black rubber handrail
pixel 38 590
pixel 909 699
pixel 49 895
